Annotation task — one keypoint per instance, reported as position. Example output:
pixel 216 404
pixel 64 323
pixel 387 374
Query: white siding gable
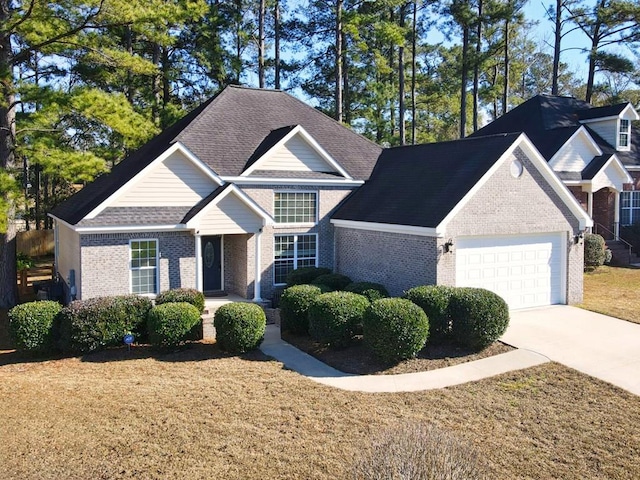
pixel 229 215
pixel 607 129
pixel 176 181
pixel 576 154
pixel 295 155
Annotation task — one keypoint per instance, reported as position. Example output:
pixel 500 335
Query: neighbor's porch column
pixel 258 269
pixel 198 262
pixel 616 215
pixel 590 207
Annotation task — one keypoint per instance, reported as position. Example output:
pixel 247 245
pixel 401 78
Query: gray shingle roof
pixel 225 133
pixel 549 121
pixel 419 185
pixel 130 216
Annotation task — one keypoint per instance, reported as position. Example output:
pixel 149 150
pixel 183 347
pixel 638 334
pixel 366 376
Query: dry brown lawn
pixel 613 291
pixel 201 414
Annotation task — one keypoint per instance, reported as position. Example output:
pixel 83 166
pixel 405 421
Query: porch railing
pixel 599 229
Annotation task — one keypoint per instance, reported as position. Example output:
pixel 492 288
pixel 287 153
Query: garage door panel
pixel 525 270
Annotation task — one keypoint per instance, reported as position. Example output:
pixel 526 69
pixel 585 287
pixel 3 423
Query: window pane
pixel 295 207
pixel 281 270
pixel 625 199
pixel 635 199
pixel 625 217
pixel 144 266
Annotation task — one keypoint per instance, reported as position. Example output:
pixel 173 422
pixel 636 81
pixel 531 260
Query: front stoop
pixel 620 254
pixel 209 331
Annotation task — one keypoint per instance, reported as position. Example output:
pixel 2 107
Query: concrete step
pixel 620 253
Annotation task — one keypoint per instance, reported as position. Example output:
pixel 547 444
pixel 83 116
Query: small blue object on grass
pixel 128 339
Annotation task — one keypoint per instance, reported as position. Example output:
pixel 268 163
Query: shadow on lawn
pixel 190 352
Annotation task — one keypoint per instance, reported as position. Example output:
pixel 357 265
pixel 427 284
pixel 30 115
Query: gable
pixel 507 205
pixel 229 215
pixel 296 155
pixel 606 128
pixel 174 181
pixel 292 150
pixel 576 153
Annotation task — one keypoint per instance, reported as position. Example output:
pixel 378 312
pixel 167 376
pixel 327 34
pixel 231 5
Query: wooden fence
pixel 35 243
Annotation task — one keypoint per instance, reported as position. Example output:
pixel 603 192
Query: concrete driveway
pixel 603 347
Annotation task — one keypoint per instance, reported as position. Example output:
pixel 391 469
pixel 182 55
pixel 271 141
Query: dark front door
pixel 212 263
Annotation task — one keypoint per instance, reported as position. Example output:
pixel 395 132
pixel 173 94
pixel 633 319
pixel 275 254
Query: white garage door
pixel 527 271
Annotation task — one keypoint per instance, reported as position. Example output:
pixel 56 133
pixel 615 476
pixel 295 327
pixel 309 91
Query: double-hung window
pixel 624 134
pixel 295 207
pixel 629 207
pixel 144 266
pixel 292 252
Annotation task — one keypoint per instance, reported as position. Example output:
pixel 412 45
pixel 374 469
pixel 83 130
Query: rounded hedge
pixel 478 317
pixel 434 300
pixel 239 326
pixel 96 323
pixel 189 295
pixel 334 317
pixel 594 250
pixel 395 329
pixel 169 324
pixel 304 275
pixel 373 291
pixel 294 307
pixel 31 325
pixel 335 281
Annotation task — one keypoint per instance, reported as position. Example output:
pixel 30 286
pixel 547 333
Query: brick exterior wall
pixel 328 199
pixel 503 206
pixel 105 262
pixel 397 261
pixel 235 264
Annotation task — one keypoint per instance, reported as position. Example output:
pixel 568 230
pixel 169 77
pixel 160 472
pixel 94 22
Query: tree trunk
pixel 414 54
pixel 346 99
pixel 261 15
pixel 463 80
pixel 8 274
pixel 276 28
pixel 476 67
pixel 156 85
pixel 338 61
pixel 556 48
pixel 505 82
pixel 592 70
pixel 401 105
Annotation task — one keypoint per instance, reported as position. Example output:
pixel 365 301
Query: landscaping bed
pixel 357 359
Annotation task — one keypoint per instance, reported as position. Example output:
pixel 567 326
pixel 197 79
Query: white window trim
pixel 295 252
pixel 626 132
pixel 157 268
pixel 630 208
pixel 301 224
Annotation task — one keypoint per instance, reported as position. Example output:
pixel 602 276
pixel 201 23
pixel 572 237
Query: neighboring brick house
pixel 483 212
pixel 255 183
pixel 594 150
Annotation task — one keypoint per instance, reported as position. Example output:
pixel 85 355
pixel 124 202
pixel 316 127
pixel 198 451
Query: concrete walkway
pixel 598 345
pixel 307 365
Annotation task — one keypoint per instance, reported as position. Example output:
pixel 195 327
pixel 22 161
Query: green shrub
pixel 304 275
pixel 334 281
pixel 294 307
pixel 415 450
pixel 31 325
pixel 478 317
pixel 395 329
pixel 373 291
pixel 169 324
pixel 23 261
pixel 96 323
pixel 239 326
pixel 434 300
pixel 594 247
pixel 334 317
pixel 189 295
